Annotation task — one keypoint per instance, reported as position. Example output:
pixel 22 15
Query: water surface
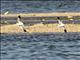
pixel 39 6
pixel 40 46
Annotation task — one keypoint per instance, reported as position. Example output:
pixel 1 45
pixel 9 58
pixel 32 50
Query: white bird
pixel 42 21
pixel 20 24
pixel 70 17
pixel 61 25
pixel 6 13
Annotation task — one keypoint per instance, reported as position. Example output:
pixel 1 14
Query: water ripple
pixel 40 46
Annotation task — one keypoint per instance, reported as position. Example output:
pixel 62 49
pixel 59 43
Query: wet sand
pixel 40 28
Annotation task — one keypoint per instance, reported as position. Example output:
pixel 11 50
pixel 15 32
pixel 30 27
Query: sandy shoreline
pixel 42 14
pixel 39 28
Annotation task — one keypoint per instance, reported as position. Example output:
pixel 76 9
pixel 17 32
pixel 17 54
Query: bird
pixel 70 17
pixel 42 21
pixel 6 13
pixel 20 23
pixel 61 25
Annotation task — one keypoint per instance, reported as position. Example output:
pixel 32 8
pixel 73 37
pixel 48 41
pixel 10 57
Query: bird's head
pixel 58 18
pixel 19 16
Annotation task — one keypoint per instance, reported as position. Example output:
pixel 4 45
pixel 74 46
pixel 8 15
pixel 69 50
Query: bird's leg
pixel 24 30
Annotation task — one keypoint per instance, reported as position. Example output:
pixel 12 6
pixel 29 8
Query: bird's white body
pixel 61 25
pixel 20 24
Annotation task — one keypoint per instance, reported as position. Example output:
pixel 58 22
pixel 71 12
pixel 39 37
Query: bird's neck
pixel 18 20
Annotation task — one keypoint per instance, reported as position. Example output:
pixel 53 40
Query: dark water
pixel 39 6
pixel 40 46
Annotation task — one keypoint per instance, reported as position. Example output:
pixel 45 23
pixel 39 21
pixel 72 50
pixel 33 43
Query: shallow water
pixel 40 46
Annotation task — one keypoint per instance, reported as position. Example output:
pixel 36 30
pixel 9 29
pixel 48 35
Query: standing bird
pixel 61 25
pixel 20 24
